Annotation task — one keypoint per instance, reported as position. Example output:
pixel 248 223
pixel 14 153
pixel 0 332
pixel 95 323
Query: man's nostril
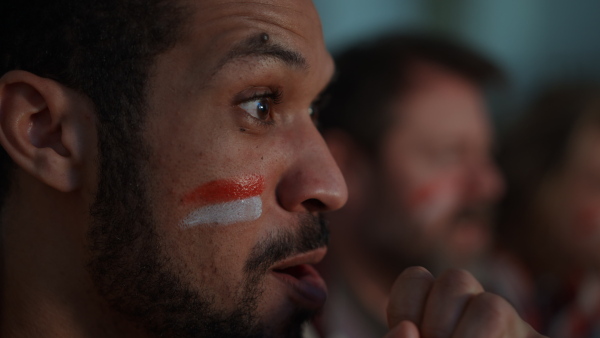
pixel 314 204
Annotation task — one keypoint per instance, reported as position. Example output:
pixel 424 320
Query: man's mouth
pixel 306 285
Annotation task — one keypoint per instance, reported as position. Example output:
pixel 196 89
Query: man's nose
pixel 312 182
pixel 485 181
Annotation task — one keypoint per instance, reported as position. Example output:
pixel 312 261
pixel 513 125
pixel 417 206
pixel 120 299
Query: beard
pixel 135 277
pixel 398 242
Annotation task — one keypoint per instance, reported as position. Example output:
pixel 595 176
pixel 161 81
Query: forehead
pixel 441 101
pixel 287 14
pixel 216 25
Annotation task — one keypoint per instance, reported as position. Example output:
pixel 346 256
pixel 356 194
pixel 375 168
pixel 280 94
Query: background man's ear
pixel 46 128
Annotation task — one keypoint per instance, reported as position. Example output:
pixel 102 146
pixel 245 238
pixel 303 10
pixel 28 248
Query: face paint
pixel 432 201
pixel 225 202
pixel 587 221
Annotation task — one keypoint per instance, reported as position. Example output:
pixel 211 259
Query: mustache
pixel 312 233
pixel 479 212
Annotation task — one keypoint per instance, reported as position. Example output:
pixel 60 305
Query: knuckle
pixel 456 280
pixel 416 272
pixel 492 309
pixel 409 294
pixel 409 278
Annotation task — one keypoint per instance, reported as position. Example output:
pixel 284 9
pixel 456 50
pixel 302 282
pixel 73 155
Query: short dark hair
pixel 103 49
pixel 371 74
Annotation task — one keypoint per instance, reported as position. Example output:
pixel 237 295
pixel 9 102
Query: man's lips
pixel 307 286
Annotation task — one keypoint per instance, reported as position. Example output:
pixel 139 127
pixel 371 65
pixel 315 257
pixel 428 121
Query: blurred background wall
pixel 536 42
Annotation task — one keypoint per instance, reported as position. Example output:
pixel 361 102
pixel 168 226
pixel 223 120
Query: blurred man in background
pixel 407 124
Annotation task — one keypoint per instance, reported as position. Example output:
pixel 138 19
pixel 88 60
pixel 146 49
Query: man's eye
pixel 447 157
pixel 317 106
pixel 259 108
pixel 313 111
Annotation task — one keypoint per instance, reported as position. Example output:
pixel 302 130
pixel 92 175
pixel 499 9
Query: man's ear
pixel 46 128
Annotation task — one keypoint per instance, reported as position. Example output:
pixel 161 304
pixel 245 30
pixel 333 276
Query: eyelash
pixel 275 96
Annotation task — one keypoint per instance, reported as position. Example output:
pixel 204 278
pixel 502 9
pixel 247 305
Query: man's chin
pixel 469 239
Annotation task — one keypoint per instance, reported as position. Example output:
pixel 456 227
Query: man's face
pixel 435 180
pixel 231 180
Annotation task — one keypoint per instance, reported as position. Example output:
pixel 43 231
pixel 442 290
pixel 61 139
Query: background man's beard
pixel 391 252
pixel 133 275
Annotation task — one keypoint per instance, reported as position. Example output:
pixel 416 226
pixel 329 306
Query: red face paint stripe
pixel 220 191
pixel 423 194
pixel 585 221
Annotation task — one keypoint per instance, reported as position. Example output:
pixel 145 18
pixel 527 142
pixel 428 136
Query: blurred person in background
pixel 406 121
pixel 549 221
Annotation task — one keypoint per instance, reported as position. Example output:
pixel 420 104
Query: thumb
pixel 405 329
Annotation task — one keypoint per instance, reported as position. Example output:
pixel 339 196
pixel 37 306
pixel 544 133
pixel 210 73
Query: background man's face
pixel 436 179
pixel 235 174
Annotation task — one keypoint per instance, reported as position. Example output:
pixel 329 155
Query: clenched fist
pixel 451 306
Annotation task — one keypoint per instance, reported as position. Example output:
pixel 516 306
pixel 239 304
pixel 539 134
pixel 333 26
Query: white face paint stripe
pixel 437 206
pixel 245 210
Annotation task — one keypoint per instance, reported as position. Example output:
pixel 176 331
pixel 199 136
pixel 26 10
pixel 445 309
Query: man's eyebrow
pixel 258 46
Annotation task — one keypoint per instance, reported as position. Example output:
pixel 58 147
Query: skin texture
pixel 71 273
